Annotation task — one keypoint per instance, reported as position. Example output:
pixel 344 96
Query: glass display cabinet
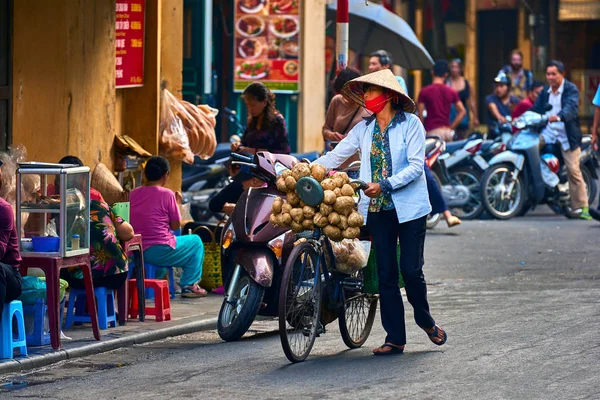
pixel 54 221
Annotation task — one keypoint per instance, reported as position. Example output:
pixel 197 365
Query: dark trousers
pixel 385 233
pixel 438 205
pixel 10 285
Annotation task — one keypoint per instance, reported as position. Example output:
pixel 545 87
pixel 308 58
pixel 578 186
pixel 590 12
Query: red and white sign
pixel 130 25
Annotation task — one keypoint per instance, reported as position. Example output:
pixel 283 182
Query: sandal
pixel 436 334
pixel 393 350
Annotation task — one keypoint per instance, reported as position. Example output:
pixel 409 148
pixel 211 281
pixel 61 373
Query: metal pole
pixel 343 16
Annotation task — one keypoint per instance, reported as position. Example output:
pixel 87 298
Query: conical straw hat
pixel 386 79
pixel 105 182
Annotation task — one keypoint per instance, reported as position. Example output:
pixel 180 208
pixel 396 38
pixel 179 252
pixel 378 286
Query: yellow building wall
pixel 63 79
pixel 64 97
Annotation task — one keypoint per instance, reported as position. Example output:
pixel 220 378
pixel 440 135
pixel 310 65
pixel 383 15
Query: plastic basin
pixel 46 244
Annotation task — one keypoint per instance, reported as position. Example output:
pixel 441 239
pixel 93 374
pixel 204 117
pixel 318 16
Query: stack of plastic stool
pixel 162 302
pixel 36 322
pixel 7 340
pixel 105 299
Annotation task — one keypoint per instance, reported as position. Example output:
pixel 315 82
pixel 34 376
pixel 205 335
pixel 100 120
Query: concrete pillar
pixel 471 60
pixel 419 24
pixel 523 41
pixel 311 112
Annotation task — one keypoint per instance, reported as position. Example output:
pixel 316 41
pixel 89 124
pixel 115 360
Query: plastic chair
pixel 105 299
pixel 8 342
pixel 36 316
pixel 151 274
pixel 162 304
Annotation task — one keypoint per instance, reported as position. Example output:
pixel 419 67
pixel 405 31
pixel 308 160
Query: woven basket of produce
pixel 330 207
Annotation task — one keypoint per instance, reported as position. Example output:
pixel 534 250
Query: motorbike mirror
pixel 548 107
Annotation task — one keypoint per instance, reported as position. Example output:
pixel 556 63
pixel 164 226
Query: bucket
pixel 46 244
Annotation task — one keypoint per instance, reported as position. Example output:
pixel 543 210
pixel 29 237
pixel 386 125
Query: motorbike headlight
pixel 276 246
pixel 228 237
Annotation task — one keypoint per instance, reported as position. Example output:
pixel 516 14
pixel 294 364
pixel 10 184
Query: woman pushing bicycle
pixel 392 147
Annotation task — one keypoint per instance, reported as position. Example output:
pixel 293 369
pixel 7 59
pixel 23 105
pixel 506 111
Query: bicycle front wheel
pixel 299 303
pixel 357 315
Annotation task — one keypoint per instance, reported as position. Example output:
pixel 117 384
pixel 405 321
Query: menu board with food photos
pixel 266 44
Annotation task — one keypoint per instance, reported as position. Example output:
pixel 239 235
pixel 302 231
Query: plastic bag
pixel 34 288
pixel 174 139
pixel 350 255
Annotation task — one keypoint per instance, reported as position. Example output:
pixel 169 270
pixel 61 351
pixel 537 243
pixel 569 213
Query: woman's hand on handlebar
pixel 228 209
pixel 373 190
pixel 235 146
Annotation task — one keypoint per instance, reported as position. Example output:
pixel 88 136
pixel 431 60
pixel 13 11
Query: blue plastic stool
pixel 36 315
pixel 150 270
pixel 7 340
pixel 105 298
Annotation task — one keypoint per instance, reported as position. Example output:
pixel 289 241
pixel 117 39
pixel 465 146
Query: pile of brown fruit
pixel 336 215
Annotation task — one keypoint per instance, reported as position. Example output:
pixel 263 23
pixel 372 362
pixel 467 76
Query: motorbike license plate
pixel 480 161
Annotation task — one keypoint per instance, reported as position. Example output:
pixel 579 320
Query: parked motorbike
pixel 253 251
pixel 520 178
pixel 457 168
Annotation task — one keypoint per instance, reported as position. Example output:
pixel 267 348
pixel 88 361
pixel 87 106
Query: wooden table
pixel 51 267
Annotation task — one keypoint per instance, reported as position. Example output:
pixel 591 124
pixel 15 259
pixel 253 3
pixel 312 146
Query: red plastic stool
pixel 162 301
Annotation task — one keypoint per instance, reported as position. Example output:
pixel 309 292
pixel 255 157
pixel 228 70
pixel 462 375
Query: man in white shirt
pixel 563 129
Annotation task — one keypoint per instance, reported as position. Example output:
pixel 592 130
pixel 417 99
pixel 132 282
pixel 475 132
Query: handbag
pixel 370 278
pixel 212 277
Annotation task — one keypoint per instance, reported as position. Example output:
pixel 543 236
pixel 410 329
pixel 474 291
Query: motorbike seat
pixel 485 146
pixel 430 144
pixel 452 147
pixel 311 156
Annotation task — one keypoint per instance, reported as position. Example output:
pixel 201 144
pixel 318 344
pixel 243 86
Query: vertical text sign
pixel 130 24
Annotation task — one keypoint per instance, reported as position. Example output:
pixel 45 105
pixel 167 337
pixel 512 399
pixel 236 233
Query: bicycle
pixel 310 276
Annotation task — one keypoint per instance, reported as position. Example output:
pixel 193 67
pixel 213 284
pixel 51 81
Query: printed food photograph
pixel 284 27
pixel 284 6
pixel 252 70
pixel 251 48
pixel 250 26
pixel 251 6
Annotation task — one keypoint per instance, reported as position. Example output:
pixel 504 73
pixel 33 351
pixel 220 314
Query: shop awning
pixel 579 10
pixel 373 28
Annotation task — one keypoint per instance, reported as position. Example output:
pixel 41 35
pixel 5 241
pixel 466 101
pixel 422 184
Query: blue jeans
pixel 188 254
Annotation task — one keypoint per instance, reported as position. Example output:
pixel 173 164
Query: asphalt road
pixel 520 300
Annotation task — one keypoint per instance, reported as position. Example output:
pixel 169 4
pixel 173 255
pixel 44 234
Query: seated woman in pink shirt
pixel 154 214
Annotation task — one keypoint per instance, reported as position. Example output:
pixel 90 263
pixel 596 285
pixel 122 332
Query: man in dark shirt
pixel 10 259
pixel 499 104
pixel 437 99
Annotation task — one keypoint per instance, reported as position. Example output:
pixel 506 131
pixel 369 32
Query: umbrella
pixel 373 28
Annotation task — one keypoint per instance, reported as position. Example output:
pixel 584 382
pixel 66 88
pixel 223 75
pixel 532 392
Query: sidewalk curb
pixel 28 363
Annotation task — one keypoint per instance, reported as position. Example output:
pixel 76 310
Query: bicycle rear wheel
pixel 357 315
pixel 299 303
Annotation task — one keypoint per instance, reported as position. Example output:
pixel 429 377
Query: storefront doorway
pixel 5 75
